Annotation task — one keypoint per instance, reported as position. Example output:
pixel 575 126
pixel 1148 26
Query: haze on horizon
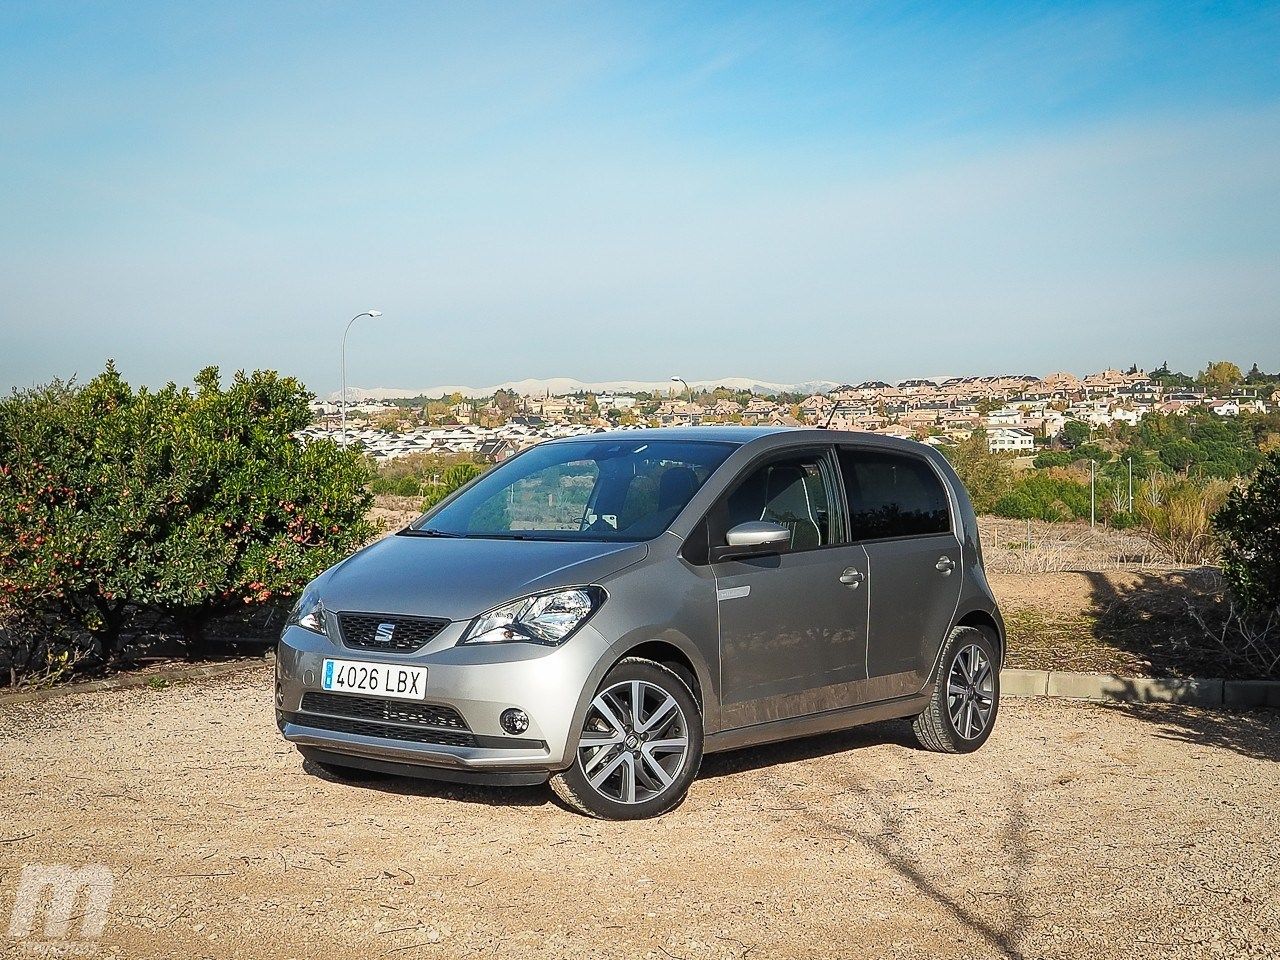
pixel 608 191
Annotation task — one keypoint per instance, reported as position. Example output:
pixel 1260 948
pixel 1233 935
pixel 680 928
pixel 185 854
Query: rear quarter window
pixel 892 495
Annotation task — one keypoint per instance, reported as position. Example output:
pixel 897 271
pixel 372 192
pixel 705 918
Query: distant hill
pixel 563 385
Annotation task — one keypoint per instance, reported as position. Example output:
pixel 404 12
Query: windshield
pixel 608 490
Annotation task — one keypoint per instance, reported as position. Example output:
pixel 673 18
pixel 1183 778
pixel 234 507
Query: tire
pixel 634 771
pixel 962 714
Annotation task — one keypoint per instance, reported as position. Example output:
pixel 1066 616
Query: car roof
pixel 730 433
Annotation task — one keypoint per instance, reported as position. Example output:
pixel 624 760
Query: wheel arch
pixel 672 650
pixel 989 623
pixel 674 659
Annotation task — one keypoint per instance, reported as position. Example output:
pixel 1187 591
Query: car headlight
pixel 308 613
pixel 548 618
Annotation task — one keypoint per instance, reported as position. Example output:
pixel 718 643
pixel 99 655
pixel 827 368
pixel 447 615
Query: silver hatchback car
pixel 601 611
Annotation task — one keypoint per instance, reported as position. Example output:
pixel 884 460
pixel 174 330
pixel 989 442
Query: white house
pixel 1005 417
pixel 615 401
pixel 1011 440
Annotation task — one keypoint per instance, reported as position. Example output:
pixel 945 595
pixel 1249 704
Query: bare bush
pixel 1249 645
pixel 33 654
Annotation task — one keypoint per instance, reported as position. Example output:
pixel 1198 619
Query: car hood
pixel 462 578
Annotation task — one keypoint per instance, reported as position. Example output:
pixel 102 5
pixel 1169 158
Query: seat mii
pixel 601 611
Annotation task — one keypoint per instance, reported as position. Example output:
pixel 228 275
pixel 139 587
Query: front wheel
pixel 966 697
pixel 640 746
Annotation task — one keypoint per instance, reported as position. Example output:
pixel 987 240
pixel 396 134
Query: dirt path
pixel 1078 831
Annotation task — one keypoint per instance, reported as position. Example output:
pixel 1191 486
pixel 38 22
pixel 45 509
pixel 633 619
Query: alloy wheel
pixel 970 691
pixel 634 743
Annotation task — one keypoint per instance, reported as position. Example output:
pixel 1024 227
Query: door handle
pixel 946 565
pixel 852 576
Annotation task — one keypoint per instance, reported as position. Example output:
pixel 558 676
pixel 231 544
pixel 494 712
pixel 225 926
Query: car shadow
pixel 389 783
pixel 746 759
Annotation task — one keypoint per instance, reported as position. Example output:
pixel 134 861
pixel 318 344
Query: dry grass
pixel 391 513
pixel 1036 546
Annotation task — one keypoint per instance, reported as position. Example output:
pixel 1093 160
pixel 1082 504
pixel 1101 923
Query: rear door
pixel 900 514
pixel 793 626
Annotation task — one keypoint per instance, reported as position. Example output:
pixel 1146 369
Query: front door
pixel 899 512
pixel 793 626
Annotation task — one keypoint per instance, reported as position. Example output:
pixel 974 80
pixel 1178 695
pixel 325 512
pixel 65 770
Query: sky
pixel 605 191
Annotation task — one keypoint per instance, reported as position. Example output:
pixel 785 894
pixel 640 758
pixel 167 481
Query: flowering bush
pixel 187 502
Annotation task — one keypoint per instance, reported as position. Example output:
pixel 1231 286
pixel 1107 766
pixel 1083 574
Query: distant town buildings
pixel 1018 413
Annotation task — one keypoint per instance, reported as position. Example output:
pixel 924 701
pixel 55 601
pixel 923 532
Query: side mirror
pixel 755 538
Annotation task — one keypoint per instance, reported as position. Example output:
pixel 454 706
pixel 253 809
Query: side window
pixel 892 495
pixel 795 492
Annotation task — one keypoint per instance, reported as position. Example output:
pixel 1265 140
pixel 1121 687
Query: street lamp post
pixel 1093 514
pixel 1131 484
pixel 367 313
pixel 680 380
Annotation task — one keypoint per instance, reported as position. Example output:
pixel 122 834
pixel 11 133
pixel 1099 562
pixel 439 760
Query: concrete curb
pixel 1197 692
pixel 130 681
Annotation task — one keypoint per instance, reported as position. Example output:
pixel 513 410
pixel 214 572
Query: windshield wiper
pixel 513 536
pixel 427 532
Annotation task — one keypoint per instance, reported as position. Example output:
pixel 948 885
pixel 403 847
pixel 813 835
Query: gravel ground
pixel 1079 830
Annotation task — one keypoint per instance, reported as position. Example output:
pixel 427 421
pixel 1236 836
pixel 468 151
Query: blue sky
pixel 780 191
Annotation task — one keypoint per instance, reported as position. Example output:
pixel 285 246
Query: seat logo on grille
pixel 384 632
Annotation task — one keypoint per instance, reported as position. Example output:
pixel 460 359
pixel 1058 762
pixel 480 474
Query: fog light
pixel 514 721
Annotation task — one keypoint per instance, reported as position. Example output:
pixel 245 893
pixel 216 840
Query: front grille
pixel 366 729
pixel 370 631
pixel 385 711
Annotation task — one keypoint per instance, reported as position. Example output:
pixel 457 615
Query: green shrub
pixel 1044 496
pixel 1123 519
pixel 1054 458
pixel 396 486
pixel 453 478
pixel 429 475
pixel 1249 527
pixel 1091 451
pixel 183 502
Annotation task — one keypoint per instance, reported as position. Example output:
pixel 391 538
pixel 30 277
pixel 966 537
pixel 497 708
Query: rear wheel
pixel 640 746
pixel 966 697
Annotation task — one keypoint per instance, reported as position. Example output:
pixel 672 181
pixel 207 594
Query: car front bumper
pixel 471 684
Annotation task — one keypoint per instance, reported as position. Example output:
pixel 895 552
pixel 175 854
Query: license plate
pixel 382 679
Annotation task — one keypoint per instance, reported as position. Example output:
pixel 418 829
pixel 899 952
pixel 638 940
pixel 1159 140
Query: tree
pixel 1074 433
pixel 1249 527
pixel 506 401
pixel 1220 374
pixel 388 421
pixel 987 476
pixel 184 502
